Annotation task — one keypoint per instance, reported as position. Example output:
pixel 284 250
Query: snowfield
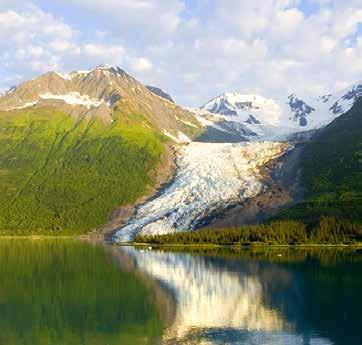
pixel 289 114
pixel 26 105
pixel 209 177
pixel 74 98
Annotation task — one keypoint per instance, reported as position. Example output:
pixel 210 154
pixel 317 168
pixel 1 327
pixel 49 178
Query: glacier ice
pixel 209 176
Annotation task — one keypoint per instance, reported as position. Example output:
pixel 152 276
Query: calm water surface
pixel 71 292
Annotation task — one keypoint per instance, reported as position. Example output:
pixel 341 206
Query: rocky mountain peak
pixel 100 92
pixel 276 118
pixel 299 110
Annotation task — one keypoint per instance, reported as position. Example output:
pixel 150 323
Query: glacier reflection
pixel 223 299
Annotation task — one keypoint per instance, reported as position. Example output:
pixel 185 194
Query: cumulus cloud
pixel 152 19
pixel 272 47
pixel 33 41
pixel 141 64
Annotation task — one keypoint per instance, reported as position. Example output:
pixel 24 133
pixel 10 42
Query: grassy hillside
pixel 332 171
pixel 59 175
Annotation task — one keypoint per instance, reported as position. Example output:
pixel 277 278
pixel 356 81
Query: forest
pixel 287 232
pixel 331 166
pixel 60 175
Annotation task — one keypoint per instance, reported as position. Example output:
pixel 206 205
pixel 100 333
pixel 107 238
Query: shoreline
pixel 245 246
pixel 155 246
pixel 38 237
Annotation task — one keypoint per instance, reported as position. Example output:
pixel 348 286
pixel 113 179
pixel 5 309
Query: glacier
pixel 209 177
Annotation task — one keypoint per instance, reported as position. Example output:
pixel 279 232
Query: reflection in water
pixel 70 293
pixel 76 293
pixel 210 297
pixel 222 301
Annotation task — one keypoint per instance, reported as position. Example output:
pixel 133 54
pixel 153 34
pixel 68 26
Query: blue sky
pixel 193 49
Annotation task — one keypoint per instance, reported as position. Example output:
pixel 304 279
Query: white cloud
pixel 35 25
pixel 98 52
pixel 267 46
pixel 149 18
pixel 141 64
pixel 33 41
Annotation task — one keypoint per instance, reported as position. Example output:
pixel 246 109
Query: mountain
pixel 159 92
pixel 273 118
pixel 236 183
pixel 331 165
pixel 220 129
pixel 99 93
pixel 74 147
pixel 328 210
pixel 251 109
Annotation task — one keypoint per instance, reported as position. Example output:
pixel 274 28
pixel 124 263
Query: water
pixel 71 292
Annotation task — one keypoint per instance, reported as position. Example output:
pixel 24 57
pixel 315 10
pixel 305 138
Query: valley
pixel 97 152
pixel 209 178
pixel 181 172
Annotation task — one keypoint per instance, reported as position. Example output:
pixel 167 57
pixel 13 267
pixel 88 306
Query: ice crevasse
pixel 209 177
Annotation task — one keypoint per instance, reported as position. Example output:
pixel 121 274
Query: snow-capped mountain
pixel 211 177
pixel 100 92
pixel 262 110
pixel 260 114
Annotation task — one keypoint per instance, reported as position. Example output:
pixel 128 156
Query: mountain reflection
pixel 229 301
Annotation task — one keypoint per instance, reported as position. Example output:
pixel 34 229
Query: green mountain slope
pixel 332 171
pixel 62 175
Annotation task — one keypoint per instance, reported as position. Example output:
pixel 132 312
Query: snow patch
pixel 209 177
pixel 10 91
pixel 71 75
pixel 188 123
pixel 63 75
pixel 26 105
pixel 74 98
pixel 208 119
pixel 181 137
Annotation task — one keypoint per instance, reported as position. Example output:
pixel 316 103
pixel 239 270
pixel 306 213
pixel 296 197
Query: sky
pixel 192 49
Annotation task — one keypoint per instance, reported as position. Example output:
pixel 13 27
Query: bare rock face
pixel 159 92
pixel 99 93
